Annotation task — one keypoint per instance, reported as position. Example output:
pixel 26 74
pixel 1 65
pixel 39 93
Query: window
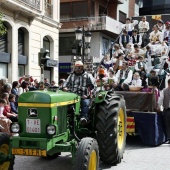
pixel 102 10
pixel 3 70
pixel 21 70
pixel 92 8
pixel 65 45
pixel 46 43
pixel 73 9
pixel 122 17
pixel 65 10
pixel 105 46
pixel 21 35
pixel 4 43
pixel 79 9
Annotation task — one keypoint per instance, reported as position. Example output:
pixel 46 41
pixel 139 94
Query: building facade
pixel 155 7
pixel 102 18
pixel 31 25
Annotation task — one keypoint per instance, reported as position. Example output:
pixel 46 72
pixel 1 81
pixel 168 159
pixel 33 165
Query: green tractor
pixel 49 123
pixel 6 158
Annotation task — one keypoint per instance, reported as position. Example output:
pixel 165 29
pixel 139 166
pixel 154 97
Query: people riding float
pixel 110 80
pixel 124 40
pixel 137 82
pixel 136 38
pixel 129 25
pixel 141 66
pixel 119 62
pixel 143 26
pixel 155 39
pixel 166 32
pixel 117 51
pixel 81 83
pixel 124 77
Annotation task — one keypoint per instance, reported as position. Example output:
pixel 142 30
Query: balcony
pixel 100 23
pixel 30 8
pixel 32 3
pixel 120 1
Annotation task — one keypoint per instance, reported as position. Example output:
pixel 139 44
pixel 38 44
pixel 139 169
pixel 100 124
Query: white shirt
pixel 130 26
pixel 161 98
pixel 129 77
pixel 143 25
pixel 156 36
pixel 137 82
pixel 139 53
pixel 114 78
pixel 1 111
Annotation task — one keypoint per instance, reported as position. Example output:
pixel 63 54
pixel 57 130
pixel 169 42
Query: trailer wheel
pixel 4 152
pixel 87 155
pixel 111 128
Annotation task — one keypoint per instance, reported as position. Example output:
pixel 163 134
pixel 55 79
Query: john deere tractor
pixel 49 123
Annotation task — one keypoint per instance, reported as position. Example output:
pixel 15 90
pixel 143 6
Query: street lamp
pixel 84 38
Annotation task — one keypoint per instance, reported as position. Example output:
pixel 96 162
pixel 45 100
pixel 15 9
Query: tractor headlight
pixel 15 128
pixel 51 130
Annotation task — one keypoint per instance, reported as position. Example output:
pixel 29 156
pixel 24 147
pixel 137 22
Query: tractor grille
pixel 62 119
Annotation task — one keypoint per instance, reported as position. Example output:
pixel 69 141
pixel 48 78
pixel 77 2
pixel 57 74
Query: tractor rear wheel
pixel 4 152
pixel 87 155
pixel 111 128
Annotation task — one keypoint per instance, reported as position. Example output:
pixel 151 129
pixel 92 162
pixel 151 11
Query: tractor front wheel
pixel 4 152
pixel 111 128
pixel 87 155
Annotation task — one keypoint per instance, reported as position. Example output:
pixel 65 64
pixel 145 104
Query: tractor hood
pixel 48 97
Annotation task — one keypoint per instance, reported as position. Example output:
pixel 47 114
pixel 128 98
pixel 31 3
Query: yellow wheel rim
pixel 121 128
pixel 4 149
pixel 93 161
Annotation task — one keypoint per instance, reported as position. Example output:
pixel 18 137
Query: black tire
pixel 87 155
pixel 54 156
pixel 111 128
pixel 4 149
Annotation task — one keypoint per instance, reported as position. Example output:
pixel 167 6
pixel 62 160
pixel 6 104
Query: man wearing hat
pixel 81 83
pixel 140 65
pixel 124 77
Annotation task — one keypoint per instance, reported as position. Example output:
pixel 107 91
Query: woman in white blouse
pixel 129 25
pixel 143 26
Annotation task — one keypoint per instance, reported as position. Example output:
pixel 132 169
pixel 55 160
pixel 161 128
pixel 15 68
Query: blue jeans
pixel 85 107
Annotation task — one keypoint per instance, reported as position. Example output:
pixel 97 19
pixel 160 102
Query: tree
pixel 2 27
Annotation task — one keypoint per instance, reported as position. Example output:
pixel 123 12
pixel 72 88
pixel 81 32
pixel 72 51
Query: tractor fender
pixel 100 97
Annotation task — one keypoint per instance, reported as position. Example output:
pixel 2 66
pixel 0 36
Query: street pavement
pixel 137 156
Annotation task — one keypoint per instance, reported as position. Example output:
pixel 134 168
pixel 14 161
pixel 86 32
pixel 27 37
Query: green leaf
pixel 3 29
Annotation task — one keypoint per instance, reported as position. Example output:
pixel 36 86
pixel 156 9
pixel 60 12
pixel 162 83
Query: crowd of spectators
pixel 9 94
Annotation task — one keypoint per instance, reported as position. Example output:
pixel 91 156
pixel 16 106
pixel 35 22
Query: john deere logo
pixel 32 112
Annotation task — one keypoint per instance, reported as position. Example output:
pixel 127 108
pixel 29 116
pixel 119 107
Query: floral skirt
pixel 5 123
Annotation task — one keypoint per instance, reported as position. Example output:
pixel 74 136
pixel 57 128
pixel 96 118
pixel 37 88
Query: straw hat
pixel 79 64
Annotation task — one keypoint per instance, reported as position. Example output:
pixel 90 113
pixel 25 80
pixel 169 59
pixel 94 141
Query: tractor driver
pixel 81 83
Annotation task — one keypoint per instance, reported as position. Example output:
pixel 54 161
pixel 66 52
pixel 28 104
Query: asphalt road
pixel 137 156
